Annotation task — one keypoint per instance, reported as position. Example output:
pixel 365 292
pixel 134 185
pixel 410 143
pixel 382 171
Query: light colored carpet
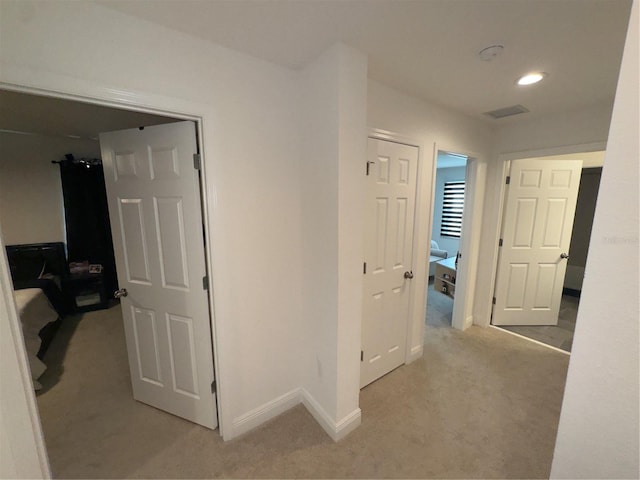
pixel 440 308
pixel 559 336
pixel 479 404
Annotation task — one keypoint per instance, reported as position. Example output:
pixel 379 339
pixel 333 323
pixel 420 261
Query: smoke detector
pixel 489 53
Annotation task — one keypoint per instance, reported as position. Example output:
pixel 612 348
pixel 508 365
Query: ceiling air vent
pixel 506 111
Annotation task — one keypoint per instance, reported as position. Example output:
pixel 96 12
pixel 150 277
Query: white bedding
pixel 35 312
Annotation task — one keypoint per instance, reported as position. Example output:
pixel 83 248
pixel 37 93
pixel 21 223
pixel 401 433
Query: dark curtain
pixel 87 216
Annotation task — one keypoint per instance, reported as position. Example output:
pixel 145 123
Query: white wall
pixel 252 152
pixel 332 188
pixel 31 204
pixel 583 126
pixel 352 154
pixel 452 174
pixel 598 434
pixel 434 128
pixel 286 252
pixel 319 195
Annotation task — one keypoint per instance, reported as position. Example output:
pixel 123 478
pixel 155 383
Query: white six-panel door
pixel 155 212
pixel 388 247
pixel 536 233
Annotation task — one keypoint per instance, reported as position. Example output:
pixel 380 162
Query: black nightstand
pixel 86 291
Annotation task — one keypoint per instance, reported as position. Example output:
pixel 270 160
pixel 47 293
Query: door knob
pixel 564 255
pixel 120 293
pixel 408 274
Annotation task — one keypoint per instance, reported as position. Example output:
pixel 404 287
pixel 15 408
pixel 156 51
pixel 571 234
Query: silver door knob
pixel 564 255
pixel 408 274
pixel 120 293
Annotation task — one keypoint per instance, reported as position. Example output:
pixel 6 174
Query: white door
pixel 536 232
pixel 389 215
pixel 155 211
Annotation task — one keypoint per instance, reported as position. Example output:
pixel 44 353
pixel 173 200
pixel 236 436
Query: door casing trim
pixel 70 88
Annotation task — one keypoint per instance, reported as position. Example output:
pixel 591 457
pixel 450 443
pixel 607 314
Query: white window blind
pixel 452 208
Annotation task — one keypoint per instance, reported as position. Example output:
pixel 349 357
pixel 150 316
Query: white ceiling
pixel 428 48
pixel 21 112
pixel 448 160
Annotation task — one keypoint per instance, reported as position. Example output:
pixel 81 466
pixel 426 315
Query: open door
pixel 154 206
pixel 388 248
pixel 536 232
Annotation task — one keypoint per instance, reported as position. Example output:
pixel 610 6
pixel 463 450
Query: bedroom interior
pixel 449 167
pixel 57 233
pixel 88 232
pixel 446 232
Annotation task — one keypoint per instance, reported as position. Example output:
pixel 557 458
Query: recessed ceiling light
pixel 531 78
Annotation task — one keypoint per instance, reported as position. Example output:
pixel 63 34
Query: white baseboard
pixel 336 430
pixel 468 322
pixel 273 408
pixel 261 414
pixel 414 354
pixel 347 425
pixel 559 350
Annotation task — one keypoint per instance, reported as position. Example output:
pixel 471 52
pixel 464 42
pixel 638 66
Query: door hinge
pixel 368 164
pixel 508 180
pixel 362 355
pixel 494 300
pixel 205 282
pixel 500 243
pixel 213 387
pixel 364 267
pixel 197 161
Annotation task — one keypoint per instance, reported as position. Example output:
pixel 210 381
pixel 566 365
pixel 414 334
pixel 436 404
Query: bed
pixel 37 272
pixel 35 314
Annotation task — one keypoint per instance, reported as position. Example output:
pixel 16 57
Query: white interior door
pixel 390 205
pixel 155 211
pixel 536 232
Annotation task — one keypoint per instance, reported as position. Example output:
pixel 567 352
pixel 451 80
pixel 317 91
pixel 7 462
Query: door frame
pixel 74 89
pixel 17 390
pixel 500 175
pixel 475 181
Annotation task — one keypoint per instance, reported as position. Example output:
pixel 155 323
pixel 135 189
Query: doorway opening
pixel 45 129
pixel 558 331
pixel 448 211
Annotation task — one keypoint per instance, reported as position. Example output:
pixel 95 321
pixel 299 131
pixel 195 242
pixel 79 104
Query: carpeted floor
pixel 440 308
pixel 559 336
pixel 479 404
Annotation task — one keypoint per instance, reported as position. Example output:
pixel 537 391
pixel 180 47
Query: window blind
pixel 452 208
